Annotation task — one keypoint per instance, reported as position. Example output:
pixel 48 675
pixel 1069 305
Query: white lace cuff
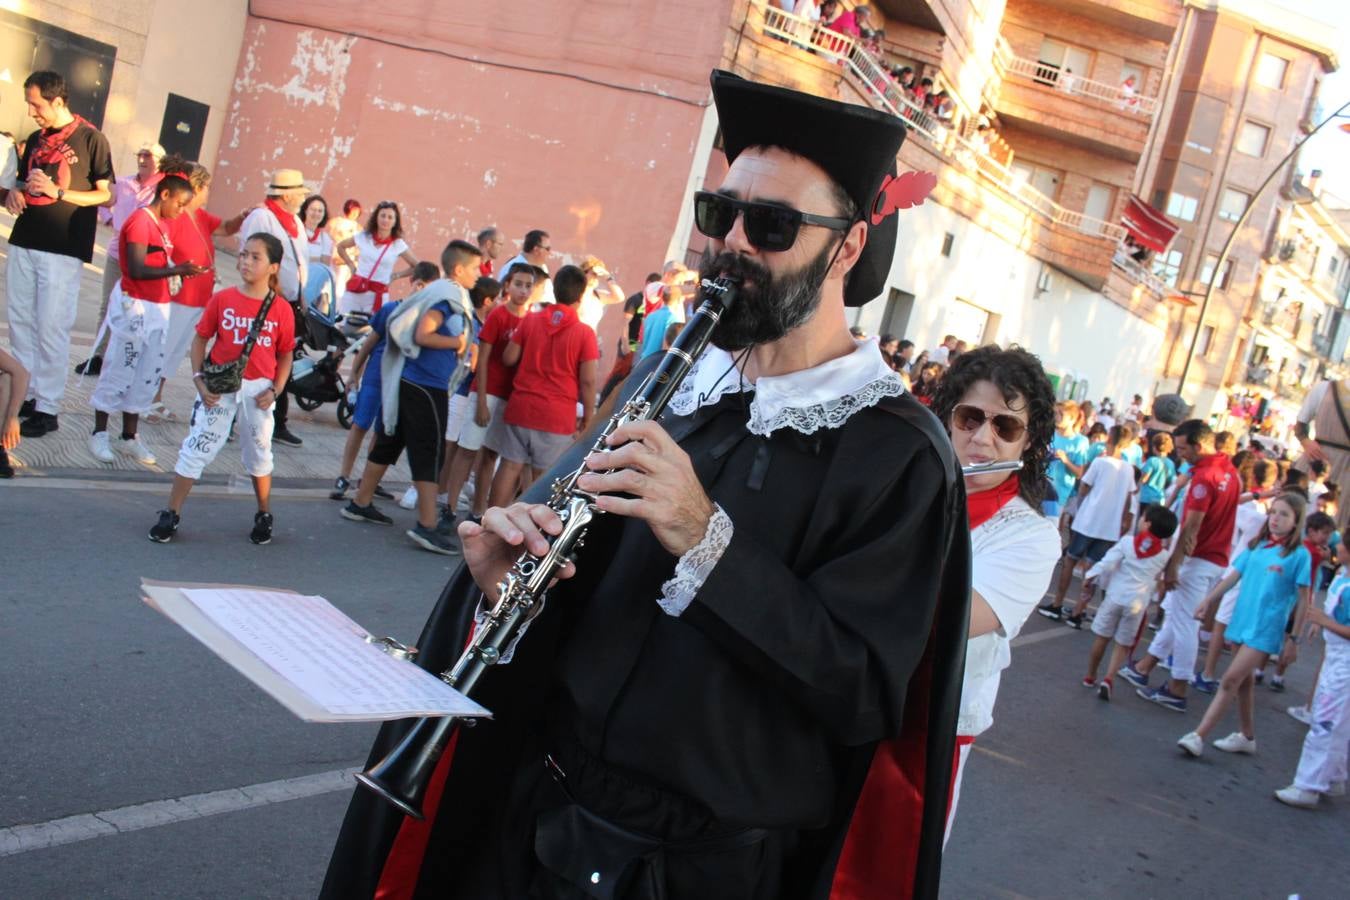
pixel 692 569
pixel 480 616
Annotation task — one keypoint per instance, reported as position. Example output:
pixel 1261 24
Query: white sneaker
pixel 137 451
pixel 98 445
pixel 1192 743
pixel 1336 789
pixel 1237 742
pixel 1300 714
pixel 409 499
pixel 1297 796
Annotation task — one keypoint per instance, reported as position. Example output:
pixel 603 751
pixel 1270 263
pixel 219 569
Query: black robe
pixel 813 684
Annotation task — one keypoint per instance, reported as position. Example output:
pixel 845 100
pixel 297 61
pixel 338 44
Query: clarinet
pixel 403 775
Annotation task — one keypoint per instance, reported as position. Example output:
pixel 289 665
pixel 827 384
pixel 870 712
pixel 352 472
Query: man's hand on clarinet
pixel 491 548
pixel 658 477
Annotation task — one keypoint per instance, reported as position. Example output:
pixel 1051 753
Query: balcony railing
pixel 1139 274
pixel 872 80
pixel 1012 65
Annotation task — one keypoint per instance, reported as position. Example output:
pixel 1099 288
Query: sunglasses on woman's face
pixel 768 226
pixel 1008 429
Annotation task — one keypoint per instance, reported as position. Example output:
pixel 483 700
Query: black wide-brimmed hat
pixel 855 145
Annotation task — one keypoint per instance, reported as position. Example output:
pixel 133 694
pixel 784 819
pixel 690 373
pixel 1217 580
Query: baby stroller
pixel 316 381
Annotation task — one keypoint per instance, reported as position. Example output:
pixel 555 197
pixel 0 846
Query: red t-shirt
pixel 553 344
pixel 144 227
pixel 228 317
pixel 498 329
pixel 191 236
pixel 1214 491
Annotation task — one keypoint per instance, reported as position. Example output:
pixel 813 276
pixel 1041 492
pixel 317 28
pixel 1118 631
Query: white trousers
pixel 44 293
pixel 210 428
pixel 1323 761
pixel 182 328
pixel 1179 636
pixel 134 360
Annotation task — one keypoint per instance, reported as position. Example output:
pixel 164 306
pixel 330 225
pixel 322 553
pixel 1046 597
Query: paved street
pixel 109 707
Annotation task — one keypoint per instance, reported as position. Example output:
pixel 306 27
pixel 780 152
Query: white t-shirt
pixel 1099 513
pixel 321 250
pixel 9 164
pixel 376 262
pixel 940 355
pixel 295 250
pixel 1133 580
pixel 1012 558
pixel 520 258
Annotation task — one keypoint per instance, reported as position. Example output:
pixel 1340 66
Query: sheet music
pixel 308 654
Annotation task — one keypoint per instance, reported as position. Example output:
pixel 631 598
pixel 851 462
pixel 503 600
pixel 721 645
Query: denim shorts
pixel 1081 546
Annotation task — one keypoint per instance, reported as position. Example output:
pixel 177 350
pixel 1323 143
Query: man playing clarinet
pixel 746 685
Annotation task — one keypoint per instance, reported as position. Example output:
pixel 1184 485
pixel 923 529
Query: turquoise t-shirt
pixel 1134 455
pixel 1076 449
pixel 1267 594
pixel 1159 473
pixel 1095 450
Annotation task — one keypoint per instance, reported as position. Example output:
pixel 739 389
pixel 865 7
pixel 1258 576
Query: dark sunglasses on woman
pixel 768 226
pixel 1008 429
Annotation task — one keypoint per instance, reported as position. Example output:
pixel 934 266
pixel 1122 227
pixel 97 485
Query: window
pixel 1252 139
pixel 1179 206
pixel 1270 71
pixel 1097 210
pixel 1233 204
pixel 1206 342
pixel 1056 61
pixel 1167 266
pixel 1207 271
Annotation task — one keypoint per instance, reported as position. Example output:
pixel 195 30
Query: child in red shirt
pixel 226 323
pixel 555 356
pixel 138 321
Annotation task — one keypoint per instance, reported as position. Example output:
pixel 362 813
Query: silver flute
pixel 1010 465
pixel 403 775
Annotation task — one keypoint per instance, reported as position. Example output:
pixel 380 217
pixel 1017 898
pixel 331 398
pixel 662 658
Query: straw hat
pixel 287 180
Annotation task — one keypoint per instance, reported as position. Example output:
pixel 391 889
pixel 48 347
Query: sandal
pixel 159 413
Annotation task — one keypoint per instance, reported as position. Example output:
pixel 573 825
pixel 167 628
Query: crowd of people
pixel 487 372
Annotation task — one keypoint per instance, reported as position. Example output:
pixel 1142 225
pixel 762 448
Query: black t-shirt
pixel 634 306
pixel 58 226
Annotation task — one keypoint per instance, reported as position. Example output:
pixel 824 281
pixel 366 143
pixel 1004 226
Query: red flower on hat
pixel 908 190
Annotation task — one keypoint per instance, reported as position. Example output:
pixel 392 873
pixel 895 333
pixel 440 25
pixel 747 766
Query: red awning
pixel 1148 227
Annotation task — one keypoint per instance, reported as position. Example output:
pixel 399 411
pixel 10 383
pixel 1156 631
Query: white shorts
pixel 210 428
pixel 459 413
pixel 363 303
pixel 182 328
pixel 471 434
pixel 134 360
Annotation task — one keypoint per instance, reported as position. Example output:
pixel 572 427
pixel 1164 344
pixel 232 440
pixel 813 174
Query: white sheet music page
pixel 315 648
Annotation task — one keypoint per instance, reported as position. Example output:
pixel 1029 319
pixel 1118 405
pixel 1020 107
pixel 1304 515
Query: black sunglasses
pixel 768 226
pixel 1009 429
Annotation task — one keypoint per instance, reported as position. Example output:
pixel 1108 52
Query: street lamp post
pixel 1232 236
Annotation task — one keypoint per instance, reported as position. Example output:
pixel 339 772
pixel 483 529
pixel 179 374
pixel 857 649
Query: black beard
pixel 766 308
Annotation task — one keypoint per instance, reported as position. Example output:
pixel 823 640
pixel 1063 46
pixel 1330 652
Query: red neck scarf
pixel 1146 545
pixel 381 242
pixel 285 217
pixel 50 142
pixel 314 238
pixel 981 506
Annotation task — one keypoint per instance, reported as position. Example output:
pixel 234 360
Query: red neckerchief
pixel 48 153
pixel 314 238
pixel 1146 545
pixel 1315 552
pixel 284 216
pixel 381 243
pixel 981 505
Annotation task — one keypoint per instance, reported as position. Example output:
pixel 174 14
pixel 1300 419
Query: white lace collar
pixel 821 397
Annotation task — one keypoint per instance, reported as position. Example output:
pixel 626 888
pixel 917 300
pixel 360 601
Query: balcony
pixel 800 54
pixel 1092 114
pixel 1155 20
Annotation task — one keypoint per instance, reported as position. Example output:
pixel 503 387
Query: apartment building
pixel 1244 91
pixel 1297 326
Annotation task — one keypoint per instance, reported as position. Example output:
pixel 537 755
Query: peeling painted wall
pixel 579 118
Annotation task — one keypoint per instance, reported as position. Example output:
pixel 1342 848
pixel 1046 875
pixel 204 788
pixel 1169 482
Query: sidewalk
pixel 68 449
